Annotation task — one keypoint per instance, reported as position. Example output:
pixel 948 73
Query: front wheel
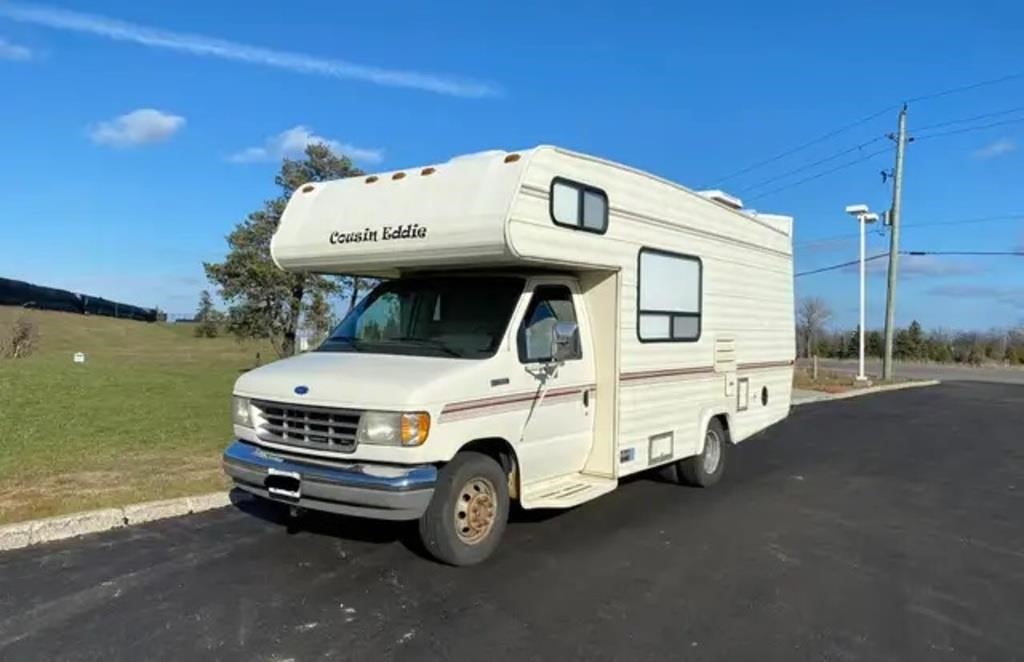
pixel 468 512
pixel 706 469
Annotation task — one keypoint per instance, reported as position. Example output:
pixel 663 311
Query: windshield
pixel 442 316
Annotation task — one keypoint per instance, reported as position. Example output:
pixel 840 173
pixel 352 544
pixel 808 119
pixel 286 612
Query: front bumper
pixel 365 490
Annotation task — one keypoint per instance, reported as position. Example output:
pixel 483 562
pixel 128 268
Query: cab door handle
pixel 586 397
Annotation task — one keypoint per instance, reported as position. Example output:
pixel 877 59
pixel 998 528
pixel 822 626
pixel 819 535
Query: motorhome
pixel 545 324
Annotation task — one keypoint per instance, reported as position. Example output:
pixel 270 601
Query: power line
pixel 810 165
pixel 969 128
pixel 967 88
pixel 879 256
pixel 803 146
pixel 820 174
pixel 964 221
pixel 868 118
pixel 1002 253
pixel 970 119
pixel 840 266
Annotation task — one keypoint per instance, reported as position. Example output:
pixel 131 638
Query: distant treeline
pixel 914 344
pixel 20 293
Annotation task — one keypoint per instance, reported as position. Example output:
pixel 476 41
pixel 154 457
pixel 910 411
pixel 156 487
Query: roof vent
pixel 722 198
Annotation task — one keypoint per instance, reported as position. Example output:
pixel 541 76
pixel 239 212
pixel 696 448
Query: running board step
pixel 566 491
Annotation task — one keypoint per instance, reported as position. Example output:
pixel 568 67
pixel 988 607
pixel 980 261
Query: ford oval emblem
pixel 301 390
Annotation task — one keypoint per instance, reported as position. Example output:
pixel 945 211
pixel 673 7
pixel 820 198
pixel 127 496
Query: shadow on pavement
pixel 328 524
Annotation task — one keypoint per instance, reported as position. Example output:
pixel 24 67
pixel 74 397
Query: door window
pixel 550 305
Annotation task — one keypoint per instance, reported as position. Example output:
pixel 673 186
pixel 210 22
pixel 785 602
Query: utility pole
pixel 894 243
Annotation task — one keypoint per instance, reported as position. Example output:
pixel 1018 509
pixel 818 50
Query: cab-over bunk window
pixel 669 292
pixel 578 206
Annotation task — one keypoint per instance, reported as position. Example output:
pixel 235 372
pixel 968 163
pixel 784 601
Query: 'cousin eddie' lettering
pixel 384 233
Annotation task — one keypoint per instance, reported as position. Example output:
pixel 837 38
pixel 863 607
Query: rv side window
pixel 550 305
pixel 579 206
pixel 669 297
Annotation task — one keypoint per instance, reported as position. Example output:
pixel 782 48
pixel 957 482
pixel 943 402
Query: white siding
pixel 747 294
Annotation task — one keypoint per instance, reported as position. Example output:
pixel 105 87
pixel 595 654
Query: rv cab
pixel 544 324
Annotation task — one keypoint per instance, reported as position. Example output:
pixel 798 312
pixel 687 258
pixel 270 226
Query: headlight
pixel 240 413
pixel 388 428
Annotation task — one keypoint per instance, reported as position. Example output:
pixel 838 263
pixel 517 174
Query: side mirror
pixel 565 342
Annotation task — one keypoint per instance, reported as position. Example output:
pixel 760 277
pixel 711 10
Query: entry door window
pixel 550 305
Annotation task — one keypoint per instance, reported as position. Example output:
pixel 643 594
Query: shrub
pixel 20 339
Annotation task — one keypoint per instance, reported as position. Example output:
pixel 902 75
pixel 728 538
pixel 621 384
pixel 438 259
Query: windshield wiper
pixel 427 342
pixel 354 343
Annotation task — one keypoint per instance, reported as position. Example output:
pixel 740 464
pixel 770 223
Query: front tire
pixel 706 469
pixel 469 510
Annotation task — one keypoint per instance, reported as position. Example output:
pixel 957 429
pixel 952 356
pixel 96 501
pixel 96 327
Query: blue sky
pixel 103 195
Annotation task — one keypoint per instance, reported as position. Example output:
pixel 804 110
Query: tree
pixel 909 343
pixel 874 343
pixel 265 302
pixel 812 316
pixel 938 347
pixel 319 317
pixel 208 318
pixel 852 348
pixel 356 287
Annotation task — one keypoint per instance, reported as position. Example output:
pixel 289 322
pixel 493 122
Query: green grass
pixel 145 417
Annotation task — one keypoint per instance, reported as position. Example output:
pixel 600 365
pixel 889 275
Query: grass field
pixel 145 417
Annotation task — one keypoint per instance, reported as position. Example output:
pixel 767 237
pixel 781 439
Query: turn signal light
pixel 414 428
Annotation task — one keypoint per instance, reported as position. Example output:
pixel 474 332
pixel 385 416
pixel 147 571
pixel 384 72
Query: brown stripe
pixel 523 396
pixel 765 364
pixel 655 374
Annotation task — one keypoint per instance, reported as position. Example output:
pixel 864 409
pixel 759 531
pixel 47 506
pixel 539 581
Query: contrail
pixel 100 26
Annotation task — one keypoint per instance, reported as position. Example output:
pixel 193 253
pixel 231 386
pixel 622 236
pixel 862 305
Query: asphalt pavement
pixel 886 527
pixel 943 371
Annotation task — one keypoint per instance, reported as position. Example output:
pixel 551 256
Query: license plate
pixel 286 484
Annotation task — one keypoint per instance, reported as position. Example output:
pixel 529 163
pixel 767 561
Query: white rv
pixel 546 323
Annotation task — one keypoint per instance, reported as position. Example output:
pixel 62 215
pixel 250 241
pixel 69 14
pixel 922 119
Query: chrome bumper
pixel 351 488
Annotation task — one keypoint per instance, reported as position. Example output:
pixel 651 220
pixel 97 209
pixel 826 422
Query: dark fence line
pixel 20 293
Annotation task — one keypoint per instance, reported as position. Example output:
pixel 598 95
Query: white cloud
pixel 933 265
pixel 1001 147
pixel 292 142
pixel 847 245
pixel 1005 295
pixel 139 127
pixel 100 26
pixel 9 51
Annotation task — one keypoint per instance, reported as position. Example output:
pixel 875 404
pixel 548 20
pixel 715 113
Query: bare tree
pixel 812 315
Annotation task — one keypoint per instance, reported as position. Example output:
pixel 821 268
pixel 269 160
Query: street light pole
pixel 863 244
pixel 863 217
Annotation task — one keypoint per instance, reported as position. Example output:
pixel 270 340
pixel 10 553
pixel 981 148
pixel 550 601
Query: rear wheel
pixel 706 469
pixel 467 515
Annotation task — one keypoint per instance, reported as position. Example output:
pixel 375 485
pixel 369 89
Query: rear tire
pixel 706 469
pixel 469 510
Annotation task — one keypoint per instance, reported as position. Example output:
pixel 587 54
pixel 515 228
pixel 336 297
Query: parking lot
pixel 884 527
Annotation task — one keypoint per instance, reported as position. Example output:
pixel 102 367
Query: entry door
pixel 559 425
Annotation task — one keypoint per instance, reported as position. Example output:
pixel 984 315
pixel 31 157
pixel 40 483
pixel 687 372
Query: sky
pixel 136 135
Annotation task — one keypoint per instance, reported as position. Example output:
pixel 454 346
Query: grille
pixel 309 427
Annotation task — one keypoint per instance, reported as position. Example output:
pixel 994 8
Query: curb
pixel 856 393
pixel 34 532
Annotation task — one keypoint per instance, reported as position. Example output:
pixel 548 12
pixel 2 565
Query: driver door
pixel 558 426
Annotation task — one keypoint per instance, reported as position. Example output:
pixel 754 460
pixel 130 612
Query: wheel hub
pixel 475 510
pixel 712 451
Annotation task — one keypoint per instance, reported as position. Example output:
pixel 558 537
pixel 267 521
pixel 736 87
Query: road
pixel 886 527
pixel 941 371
